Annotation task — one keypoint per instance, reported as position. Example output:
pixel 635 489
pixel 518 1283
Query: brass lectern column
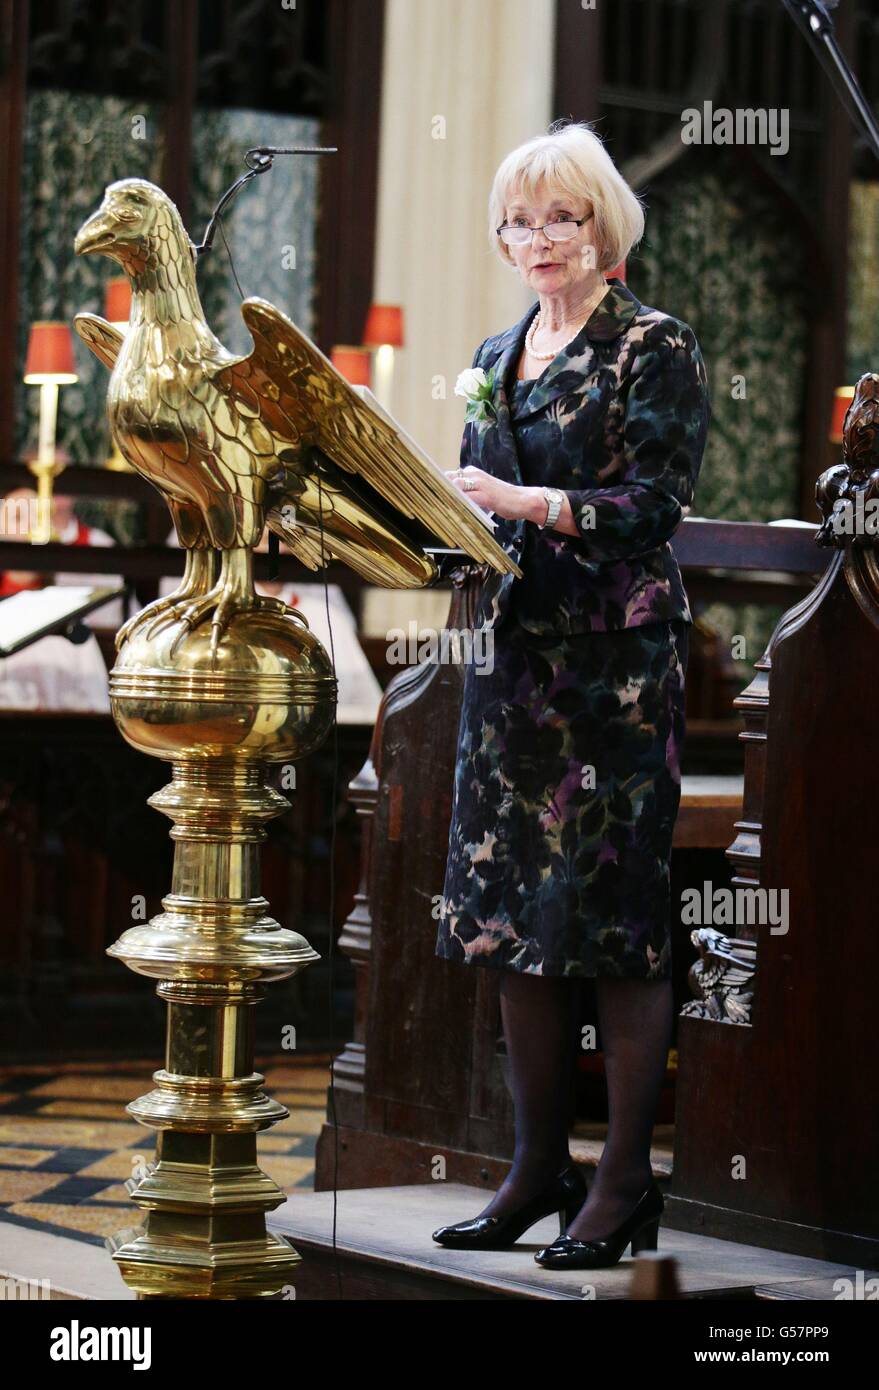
pixel 267 696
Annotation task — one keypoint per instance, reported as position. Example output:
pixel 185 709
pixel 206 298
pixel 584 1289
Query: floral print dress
pixel 567 781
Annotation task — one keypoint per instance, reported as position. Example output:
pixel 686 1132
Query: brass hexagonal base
pixel 163 1265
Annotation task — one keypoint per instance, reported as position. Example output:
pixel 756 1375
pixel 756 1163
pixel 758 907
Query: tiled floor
pixel 67 1146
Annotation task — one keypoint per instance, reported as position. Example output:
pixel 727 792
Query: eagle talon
pixel 197 579
pixel 173 613
pixel 124 632
pixel 191 616
pixel 146 616
pixel 228 606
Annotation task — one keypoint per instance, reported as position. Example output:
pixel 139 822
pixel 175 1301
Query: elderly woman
pixel 584 437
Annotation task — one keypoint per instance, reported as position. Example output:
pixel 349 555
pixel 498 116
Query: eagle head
pixel 135 220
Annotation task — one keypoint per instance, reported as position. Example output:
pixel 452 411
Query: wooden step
pixel 385 1251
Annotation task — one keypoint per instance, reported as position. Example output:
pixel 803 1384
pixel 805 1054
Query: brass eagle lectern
pixel 222 682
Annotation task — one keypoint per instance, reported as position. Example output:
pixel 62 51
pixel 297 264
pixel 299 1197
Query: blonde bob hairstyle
pixel 573 162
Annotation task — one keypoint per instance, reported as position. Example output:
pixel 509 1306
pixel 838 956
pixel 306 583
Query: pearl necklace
pixel 547 356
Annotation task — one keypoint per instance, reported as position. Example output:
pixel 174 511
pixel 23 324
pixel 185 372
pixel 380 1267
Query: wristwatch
pixel 555 499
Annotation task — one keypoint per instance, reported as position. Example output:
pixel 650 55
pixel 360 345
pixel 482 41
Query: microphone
pixel 813 19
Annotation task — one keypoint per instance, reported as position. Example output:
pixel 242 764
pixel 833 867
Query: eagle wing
pixel 323 428
pixel 99 335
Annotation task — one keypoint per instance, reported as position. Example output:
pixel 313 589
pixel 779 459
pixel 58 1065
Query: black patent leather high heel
pixel 641 1228
pixel 565 1194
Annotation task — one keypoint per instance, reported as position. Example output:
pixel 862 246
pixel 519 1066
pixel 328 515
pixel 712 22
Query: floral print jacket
pixel 618 421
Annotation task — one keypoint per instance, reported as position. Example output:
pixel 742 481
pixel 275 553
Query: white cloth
pixel 52 673
pixel 55 674
pixel 359 693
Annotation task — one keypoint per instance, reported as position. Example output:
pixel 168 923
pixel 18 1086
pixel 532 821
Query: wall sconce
pixel 384 332
pixel 842 399
pixel 49 365
pixel 353 362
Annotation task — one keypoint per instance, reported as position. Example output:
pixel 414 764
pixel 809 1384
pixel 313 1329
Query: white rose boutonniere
pixel 477 387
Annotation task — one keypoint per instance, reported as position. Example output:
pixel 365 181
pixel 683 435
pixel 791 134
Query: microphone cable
pixel 331 954
pixel 332 914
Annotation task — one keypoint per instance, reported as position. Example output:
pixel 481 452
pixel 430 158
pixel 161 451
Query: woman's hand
pixel 509 500
pixel 506 500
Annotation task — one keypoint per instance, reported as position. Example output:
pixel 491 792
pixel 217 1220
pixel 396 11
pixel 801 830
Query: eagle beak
pixel 95 235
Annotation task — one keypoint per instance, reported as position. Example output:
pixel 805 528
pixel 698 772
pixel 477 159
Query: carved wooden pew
pixel 423 1075
pixel 777 1126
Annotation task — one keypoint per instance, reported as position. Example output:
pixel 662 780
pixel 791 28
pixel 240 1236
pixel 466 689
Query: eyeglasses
pixel 556 231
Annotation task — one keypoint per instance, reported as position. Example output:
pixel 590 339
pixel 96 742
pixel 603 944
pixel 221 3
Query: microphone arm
pixel 813 19
pixel 258 160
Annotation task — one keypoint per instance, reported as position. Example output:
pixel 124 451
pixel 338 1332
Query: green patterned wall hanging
pixel 863 283
pixel 74 145
pixel 720 253
pixel 270 226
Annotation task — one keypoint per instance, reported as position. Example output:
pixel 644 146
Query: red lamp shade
pixel 49 354
pixel 842 399
pixel 384 326
pixel 352 362
pixel 618 272
pixel 117 299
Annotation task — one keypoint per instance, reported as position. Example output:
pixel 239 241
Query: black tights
pixel 541 1026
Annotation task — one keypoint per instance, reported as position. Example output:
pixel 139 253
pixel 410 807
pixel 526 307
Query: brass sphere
pixel 267 695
